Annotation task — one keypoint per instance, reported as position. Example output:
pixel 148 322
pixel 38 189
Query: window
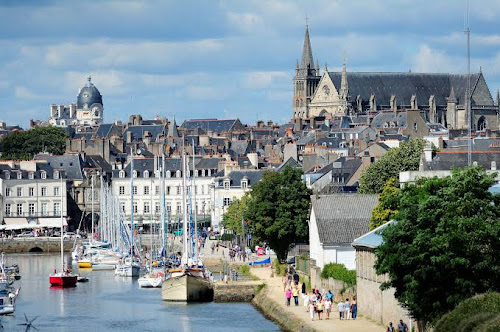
pixel 226 184
pixel 7 209
pixel 135 207
pixel 31 191
pixel 56 191
pixel 157 207
pixel 227 201
pixel 57 209
pixel 157 190
pixel 244 184
pixel 19 175
pixel 44 209
pixel 157 174
pixel 169 208
pixel 8 192
pixel 7 175
pixel 122 207
pixel 44 191
pixel 43 175
pixel 178 190
pixel 31 175
pixel 122 190
pixel 146 208
pixel 19 192
pixel 32 209
pixel 196 190
pixel 202 189
pixel 56 175
pixel 146 190
pixel 415 126
pixel 178 174
pixel 134 190
pixel 146 174
pixel 179 208
pixel 121 174
pixel 20 209
pixel 167 191
pixel 134 174
pixel 169 174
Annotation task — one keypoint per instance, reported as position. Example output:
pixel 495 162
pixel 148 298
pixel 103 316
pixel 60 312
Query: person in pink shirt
pixel 288 295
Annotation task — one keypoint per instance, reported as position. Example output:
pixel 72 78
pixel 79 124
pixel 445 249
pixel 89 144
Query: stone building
pixel 440 96
pixel 87 111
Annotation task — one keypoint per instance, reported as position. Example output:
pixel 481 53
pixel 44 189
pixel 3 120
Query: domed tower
pixel 89 105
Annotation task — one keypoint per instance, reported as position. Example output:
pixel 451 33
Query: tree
pixel 234 215
pixel 387 207
pixel 278 210
pixel 404 158
pixel 444 246
pixel 25 144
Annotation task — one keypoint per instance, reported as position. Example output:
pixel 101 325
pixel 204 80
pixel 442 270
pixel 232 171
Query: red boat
pixel 63 279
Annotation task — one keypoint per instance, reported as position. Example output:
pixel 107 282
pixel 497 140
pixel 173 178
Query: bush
pixel 480 313
pixel 339 272
pixel 279 269
pixel 244 270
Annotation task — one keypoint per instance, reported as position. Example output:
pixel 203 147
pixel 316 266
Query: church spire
pixel 452 98
pixel 172 129
pixel 344 87
pixel 307 63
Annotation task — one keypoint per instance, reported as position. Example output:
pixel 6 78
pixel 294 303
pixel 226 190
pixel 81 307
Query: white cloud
pixel 24 93
pixel 430 60
pixel 262 79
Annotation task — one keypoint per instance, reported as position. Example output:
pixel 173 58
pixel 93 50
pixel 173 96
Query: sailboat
pixel 130 267
pixel 191 281
pixel 63 278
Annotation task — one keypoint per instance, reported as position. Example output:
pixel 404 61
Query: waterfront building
pixel 87 111
pixel 31 194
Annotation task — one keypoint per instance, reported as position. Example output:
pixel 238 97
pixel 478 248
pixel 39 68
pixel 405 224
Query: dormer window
pixel 227 184
pixel 146 174
pixel 122 174
pixel 169 174
pixel 7 175
pixel 178 173
pixel 43 175
pixel 134 174
pixel 31 175
pixel 493 165
pixel 157 174
pixel 203 172
pixel 244 184
pixel 56 175
pixel 19 175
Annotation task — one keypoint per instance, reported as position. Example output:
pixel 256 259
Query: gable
pixel 326 90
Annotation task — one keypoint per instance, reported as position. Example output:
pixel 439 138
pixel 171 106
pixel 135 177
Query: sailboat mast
pixel 131 203
pixel 194 210
pixel 468 109
pixel 92 191
pixel 163 208
pixel 62 224
pixel 184 211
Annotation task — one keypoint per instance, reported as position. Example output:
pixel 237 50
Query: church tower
pixel 305 81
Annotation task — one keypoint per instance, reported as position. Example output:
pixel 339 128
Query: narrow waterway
pixel 111 303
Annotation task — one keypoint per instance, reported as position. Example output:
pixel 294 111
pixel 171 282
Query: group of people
pixel 316 302
pixel 402 327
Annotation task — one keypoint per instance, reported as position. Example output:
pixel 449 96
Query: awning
pixel 15 221
pixel 51 222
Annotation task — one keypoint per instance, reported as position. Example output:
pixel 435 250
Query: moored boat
pixel 63 279
pixel 188 287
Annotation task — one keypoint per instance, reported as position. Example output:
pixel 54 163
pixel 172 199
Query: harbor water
pixel 111 303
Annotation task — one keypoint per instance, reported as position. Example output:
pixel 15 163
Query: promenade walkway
pixel 275 292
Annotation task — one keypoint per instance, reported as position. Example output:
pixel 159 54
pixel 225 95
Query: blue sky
pixel 223 59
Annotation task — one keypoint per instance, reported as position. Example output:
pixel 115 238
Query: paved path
pixel 275 291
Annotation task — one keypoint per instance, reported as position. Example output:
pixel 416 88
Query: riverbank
pixel 271 302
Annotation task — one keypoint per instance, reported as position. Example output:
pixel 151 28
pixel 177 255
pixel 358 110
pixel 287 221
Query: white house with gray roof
pixel 335 221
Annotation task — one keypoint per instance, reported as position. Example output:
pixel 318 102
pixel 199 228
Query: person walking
pixel 354 308
pixel 295 293
pixel 328 307
pixel 305 299
pixel 402 327
pixel 341 307
pixel 319 308
pixel 390 328
pixel 296 278
pixel 347 309
pixel 288 295
pixel 312 308
pixel 284 279
pixel 303 288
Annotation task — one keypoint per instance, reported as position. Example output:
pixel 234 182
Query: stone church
pixel 440 97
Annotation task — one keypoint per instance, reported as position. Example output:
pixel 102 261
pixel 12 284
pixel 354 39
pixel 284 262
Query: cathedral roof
pixel 88 96
pixel 404 85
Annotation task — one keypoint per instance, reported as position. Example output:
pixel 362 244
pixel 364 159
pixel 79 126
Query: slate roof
pixel 70 163
pixel 381 118
pixel 404 85
pixel 342 217
pixel 444 161
pixel 214 125
pixel 42 166
pixel 289 162
pixel 138 132
pixel 235 177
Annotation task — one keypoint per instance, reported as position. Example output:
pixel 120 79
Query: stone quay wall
pixel 235 291
pixel 34 244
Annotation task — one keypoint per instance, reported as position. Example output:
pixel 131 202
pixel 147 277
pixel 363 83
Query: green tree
pixel 278 210
pixel 444 246
pixel 234 215
pixel 404 158
pixel 387 207
pixel 25 144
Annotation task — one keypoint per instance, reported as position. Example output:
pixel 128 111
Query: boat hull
pixel 150 282
pixel 103 266
pixel 187 288
pixel 128 271
pixel 85 264
pixel 63 281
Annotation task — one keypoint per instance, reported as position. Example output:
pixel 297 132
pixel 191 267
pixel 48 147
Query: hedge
pixel 339 272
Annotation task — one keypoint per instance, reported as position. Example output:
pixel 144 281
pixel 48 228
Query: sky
pixel 222 58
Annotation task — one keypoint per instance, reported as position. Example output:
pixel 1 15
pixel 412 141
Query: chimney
pixel 129 137
pixel 428 153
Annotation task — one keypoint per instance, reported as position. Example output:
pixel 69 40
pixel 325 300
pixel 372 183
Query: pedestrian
pixel 305 299
pixel 296 278
pixel 312 308
pixel 402 327
pixel 341 307
pixel 330 295
pixel 295 293
pixel 319 308
pixel 288 295
pixel 390 328
pixel 347 309
pixel 354 308
pixel 303 288
pixel 290 276
pixel 328 307
pixel 284 279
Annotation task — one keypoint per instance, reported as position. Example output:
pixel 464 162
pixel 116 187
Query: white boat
pixel 128 269
pixel 150 281
pixel 103 267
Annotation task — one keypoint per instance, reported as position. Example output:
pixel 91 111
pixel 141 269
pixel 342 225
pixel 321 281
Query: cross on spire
pixel 307 20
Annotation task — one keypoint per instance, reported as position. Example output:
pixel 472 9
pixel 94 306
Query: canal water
pixel 111 303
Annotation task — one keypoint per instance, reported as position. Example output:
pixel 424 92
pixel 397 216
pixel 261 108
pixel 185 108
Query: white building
pixel 231 187
pixel 147 189
pixel 31 195
pixel 335 221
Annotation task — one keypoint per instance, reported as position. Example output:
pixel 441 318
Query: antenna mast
pixel 468 108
